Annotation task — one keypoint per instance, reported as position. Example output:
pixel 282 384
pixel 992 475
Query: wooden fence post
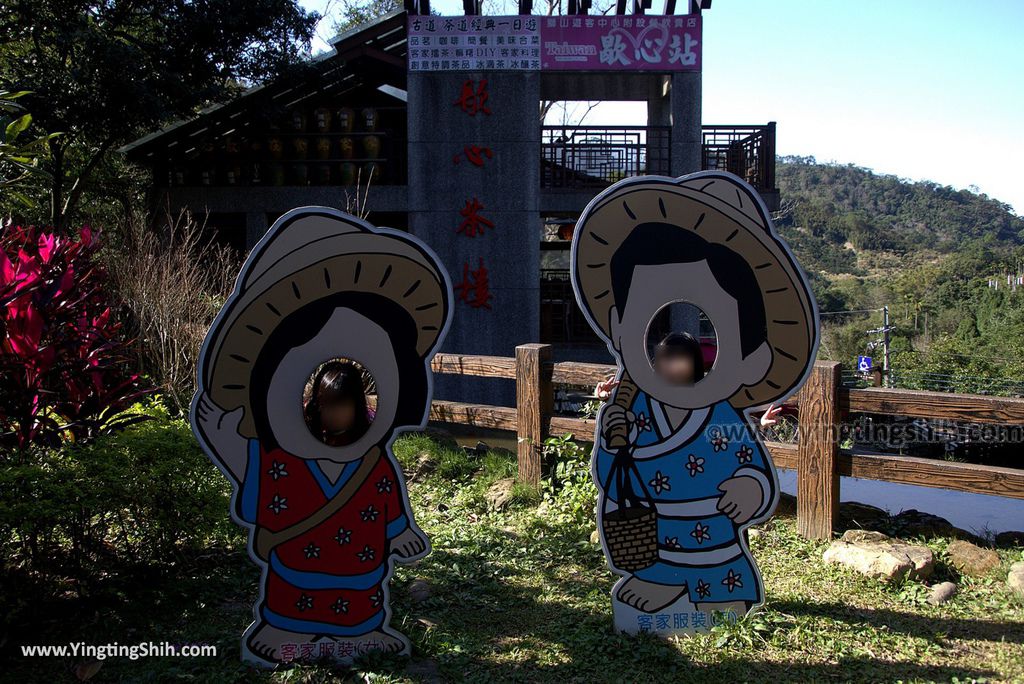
pixel 817 476
pixel 534 405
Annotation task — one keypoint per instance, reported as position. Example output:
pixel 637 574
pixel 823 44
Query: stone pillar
pixel 685 100
pixel 686 122
pixel 507 187
pixel 659 113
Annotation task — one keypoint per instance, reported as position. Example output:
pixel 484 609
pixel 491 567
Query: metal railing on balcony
pixel 747 151
pixel 561 321
pixel 596 156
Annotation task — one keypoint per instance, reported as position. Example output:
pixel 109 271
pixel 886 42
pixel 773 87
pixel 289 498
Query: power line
pixel 959 355
pixel 916 351
pixel 849 311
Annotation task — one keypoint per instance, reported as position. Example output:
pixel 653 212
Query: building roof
pixel 373 53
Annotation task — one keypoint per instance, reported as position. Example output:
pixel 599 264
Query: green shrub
pixel 569 490
pixel 143 495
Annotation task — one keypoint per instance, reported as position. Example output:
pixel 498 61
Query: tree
pixel 105 71
pixel 356 12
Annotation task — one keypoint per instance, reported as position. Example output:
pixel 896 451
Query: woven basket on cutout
pixel 631 535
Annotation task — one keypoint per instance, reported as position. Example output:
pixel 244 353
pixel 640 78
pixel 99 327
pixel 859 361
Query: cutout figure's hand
pixel 408 544
pixel 616 423
pixel 768 417
pixel 604 389
pixel 216 421
pixel 220 428
pixel 741 499
pixel 207 410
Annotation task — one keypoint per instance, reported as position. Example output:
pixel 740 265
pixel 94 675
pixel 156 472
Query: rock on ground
pixel 419 590
pixel 1015 578
pixel 424 466
pixel 424 671
pixel 972 560
pixel 499 494
pixel 877 555
pixel 914 523
pixel 854 515
pixel 941 592
pixel 909 523
pixel 482 448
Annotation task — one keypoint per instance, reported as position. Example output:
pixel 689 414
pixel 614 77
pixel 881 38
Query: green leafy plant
pixel 144 494
pixel 914 593
pixel 63 354
pixel 568 489
pixel 19 156
pixel 589 409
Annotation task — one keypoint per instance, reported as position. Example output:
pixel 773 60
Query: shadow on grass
pixel 485 626
pixel 200 599
pixel 582 646
pixel 919 626
pixel 488 627
pixel 524 605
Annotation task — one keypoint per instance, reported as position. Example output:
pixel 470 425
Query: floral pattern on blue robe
pixel 681 470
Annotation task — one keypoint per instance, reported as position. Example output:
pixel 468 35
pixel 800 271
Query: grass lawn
pixel 522 594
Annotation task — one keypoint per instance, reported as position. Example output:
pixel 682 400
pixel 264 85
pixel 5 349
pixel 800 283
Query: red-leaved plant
pixel 64 372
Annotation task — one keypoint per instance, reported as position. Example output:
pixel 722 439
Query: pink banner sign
pixel 621 43
pixel 578 43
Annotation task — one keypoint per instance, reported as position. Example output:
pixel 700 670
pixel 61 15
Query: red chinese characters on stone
pixel 474 154
pixel 475 288
pixel 473 223
pixel 472 100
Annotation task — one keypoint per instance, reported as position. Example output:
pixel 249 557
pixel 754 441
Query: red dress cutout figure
pixel 315 481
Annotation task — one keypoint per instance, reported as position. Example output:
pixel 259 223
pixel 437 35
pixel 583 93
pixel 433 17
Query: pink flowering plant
pixel 63 357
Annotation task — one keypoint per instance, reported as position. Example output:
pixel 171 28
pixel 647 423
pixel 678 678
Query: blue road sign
pixel 863 363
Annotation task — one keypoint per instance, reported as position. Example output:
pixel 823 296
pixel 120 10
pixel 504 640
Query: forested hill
pixel 929 253
pixel 832 212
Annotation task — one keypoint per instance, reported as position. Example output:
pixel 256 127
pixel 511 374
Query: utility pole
pixel 884 331
pixel 885 343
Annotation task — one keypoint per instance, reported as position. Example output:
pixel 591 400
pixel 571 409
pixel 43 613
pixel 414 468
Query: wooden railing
pixel 822 404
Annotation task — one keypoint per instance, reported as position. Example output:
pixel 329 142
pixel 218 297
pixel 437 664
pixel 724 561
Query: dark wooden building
pixel 359 115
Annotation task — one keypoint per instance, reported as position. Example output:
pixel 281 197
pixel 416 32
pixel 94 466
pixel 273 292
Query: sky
pixel 923 89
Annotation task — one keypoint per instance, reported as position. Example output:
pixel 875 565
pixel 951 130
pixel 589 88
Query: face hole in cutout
pixel 338 402
pixel 681 344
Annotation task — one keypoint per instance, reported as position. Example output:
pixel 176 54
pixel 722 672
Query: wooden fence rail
pixel 822 404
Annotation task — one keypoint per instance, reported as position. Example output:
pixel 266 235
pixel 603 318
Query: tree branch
pixel 80 182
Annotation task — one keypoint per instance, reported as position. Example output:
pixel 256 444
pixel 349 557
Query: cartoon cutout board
pixel 680 471
pixel 324 302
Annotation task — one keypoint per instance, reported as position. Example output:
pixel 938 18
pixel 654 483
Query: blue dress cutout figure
pixel 681 472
